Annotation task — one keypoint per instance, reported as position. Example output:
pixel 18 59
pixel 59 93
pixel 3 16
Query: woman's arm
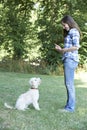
pixel 63 50
pixel 73 48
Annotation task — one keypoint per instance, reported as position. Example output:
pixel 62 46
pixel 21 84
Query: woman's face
pixel 65 26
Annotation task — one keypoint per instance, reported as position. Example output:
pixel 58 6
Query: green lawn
pixel 52 99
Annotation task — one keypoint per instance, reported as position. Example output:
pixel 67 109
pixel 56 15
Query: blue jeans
pixel 69 69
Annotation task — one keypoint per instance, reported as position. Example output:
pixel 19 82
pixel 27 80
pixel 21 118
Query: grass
pixel 52 98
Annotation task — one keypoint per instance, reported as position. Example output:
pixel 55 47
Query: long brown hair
pixel 71 22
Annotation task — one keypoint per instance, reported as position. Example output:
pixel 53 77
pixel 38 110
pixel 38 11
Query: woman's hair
pixel 71 22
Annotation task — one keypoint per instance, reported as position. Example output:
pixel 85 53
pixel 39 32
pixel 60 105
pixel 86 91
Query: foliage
pixel 30 28
pixel 34 67
pixel 17 27
pixel 49 21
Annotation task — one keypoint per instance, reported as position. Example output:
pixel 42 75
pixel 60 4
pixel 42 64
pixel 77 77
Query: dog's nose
pixel 39 78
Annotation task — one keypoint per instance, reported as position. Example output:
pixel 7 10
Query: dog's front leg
pixel 36 105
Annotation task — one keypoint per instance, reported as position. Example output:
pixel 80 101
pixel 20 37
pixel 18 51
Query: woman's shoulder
pixel 74 31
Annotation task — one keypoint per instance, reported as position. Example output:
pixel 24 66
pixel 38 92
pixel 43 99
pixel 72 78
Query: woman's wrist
pixel 65 50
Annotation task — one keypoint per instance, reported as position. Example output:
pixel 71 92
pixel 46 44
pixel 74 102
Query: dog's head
pixel 35 82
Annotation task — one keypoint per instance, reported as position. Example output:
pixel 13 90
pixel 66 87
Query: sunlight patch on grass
pixel 81 111
pixel 82 76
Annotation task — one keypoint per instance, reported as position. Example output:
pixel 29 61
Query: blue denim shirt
pixel 72 39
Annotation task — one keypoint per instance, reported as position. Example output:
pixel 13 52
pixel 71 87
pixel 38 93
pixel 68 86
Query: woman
pixel 70 58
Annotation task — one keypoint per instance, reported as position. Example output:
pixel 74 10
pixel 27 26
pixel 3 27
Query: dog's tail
pixel 8 106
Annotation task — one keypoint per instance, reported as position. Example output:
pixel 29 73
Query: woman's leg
pixel 69 69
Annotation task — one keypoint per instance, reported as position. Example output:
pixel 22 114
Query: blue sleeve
pixel 75 36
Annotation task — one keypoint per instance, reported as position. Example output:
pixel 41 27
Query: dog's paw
pixel 38 109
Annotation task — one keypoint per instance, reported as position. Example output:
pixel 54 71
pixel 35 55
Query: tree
pixel 27 24
pixel 16 23
pixel 49 16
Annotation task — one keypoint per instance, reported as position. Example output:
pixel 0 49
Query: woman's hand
pixel 58 48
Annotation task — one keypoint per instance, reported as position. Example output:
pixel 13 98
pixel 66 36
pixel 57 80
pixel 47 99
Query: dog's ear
pixel 31 82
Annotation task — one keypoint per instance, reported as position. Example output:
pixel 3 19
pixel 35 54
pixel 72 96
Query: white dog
pixel 30 97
